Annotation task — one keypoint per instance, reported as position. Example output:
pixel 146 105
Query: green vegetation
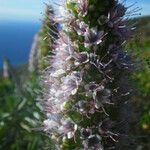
pixel 141 46
pixel 20 113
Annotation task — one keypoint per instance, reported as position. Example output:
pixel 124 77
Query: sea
pixel 16 40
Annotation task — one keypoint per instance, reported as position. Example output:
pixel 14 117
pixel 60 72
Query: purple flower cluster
pixel 69 80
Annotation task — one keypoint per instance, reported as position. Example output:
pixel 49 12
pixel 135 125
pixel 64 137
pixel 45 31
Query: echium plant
pixel 86 83
pixel 47 36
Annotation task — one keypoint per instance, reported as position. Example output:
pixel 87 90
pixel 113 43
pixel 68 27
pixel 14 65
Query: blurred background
pixel 23 26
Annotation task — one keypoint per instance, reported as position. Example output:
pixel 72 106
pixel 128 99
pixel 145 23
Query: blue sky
pixel 31 10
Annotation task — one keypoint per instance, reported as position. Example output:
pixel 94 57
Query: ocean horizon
pixel 16 39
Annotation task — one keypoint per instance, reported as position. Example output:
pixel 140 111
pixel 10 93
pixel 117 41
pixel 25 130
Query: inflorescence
pixel 81 80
